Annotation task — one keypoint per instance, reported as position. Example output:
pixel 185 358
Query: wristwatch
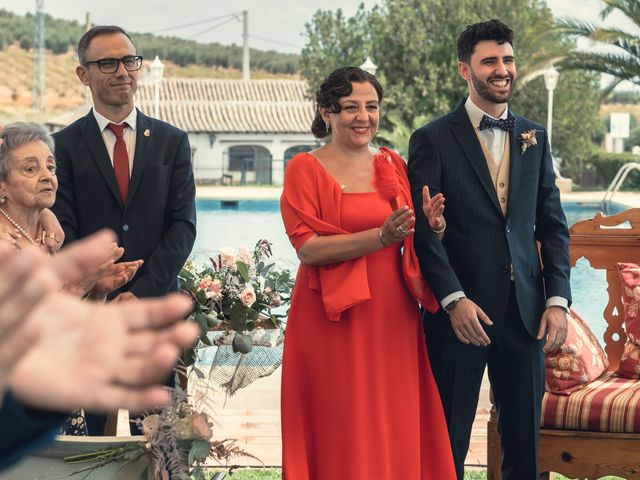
pixel 452 304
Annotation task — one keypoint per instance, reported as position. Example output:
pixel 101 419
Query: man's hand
pixel 124 297
pixel 465 321
pixel 102 356
pixel 117 275
pixel 433 208
pixel 554 324
pixel 24 281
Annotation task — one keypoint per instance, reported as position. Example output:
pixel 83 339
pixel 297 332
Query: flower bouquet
pixel 178 440
pixel 236 293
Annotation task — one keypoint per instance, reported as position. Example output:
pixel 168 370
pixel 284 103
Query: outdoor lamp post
pixel 369 66
pixel 551 76
pixel 156 70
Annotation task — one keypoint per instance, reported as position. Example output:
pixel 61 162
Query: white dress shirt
pixel 495 139
pixel 129 134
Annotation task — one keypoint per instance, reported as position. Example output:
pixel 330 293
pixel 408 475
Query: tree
pixel 622 58
pixel 413 42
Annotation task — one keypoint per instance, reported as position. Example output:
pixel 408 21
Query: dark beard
pixel 484 91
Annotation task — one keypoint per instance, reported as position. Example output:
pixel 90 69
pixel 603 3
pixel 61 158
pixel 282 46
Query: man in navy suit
pixel 503 300
pixel 119 169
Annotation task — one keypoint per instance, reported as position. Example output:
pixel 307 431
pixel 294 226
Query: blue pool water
pixel 251 220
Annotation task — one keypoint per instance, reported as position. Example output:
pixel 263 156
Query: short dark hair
pixel 336 86
pixel 94 32
pixel 492 29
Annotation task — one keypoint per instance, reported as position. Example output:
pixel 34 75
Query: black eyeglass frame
pixel 101 63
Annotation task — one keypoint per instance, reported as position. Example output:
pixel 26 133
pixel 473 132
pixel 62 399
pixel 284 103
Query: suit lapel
pixel 515 156
pixel 144 134
pixel 463 132
pixel 93 137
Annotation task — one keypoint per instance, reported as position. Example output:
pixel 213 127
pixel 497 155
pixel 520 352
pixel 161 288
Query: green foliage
pixel 621 58
pixel 607 165
pixel 626 96
pixel 575 116
pixel 62 34
pixel 413 42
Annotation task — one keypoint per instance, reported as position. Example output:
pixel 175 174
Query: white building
pixel 241 131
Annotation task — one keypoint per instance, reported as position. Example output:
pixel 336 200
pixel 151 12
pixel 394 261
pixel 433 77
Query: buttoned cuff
pixel 558 302
pixel 451 297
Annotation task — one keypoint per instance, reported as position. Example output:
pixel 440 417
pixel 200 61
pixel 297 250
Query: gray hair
pixel 15 135
pixel 94 32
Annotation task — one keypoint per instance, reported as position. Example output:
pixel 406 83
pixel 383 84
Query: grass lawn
pixel 274 474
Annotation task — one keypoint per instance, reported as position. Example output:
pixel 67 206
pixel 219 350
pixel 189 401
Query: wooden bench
pixel 589 454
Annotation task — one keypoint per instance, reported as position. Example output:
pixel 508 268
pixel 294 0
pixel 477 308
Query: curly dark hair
pixel 336 86
pixel 492 29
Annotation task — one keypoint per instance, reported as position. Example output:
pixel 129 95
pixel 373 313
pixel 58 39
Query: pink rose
pixel 214 290
pixel 248 296
pixel 205 282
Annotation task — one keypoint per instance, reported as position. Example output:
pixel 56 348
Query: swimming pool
pixel 250 220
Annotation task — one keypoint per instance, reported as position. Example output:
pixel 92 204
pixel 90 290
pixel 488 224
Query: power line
pixel 212 28
pixel 200 22
pixel 275 41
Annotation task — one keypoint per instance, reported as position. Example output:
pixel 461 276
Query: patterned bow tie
pixel 506 124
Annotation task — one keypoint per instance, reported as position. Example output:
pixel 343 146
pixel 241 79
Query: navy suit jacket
pixel 481 247
pixel 158 222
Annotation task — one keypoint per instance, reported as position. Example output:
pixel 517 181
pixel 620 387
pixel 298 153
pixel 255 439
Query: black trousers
pixel 516 371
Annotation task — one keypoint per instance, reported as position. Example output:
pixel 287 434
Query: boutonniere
pixel 147 133
pixel 527 139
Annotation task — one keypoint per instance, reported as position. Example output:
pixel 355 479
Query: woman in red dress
pixel 358 397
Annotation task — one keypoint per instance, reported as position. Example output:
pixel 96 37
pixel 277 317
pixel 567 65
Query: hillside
pixel 63 89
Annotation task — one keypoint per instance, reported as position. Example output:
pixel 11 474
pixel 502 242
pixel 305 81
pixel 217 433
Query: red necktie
pixel 120 159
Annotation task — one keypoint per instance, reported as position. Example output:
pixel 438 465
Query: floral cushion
pixel 578 362
pixel 630 292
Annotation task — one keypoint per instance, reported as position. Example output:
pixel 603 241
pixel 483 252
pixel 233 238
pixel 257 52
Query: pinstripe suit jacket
pixel 482 248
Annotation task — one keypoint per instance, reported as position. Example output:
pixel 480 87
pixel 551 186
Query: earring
pixel 2 198
pixel 327 126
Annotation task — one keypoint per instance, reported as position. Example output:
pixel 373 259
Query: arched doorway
pixel 249 164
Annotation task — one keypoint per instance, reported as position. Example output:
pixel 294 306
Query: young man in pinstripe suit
pixel 503 300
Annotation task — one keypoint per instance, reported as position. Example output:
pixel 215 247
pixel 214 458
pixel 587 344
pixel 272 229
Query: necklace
pixel 18 227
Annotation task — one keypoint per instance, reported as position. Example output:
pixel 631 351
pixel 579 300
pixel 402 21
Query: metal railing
pixel 617 182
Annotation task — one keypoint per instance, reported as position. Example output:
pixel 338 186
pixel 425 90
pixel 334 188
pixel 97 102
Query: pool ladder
pixel 617 182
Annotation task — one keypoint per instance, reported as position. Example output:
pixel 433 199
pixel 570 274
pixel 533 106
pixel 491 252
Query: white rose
pixel 245 256
pixel 228 259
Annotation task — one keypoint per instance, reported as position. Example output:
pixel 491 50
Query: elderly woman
pixel 28 187
pixel 358 396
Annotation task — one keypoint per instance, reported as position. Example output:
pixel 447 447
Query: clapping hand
pixel 433 208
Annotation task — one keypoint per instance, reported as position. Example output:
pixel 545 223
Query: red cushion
pixel 579 361
pixel 630 292
pixel 608 404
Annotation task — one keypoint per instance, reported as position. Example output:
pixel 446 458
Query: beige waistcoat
pixel 499 175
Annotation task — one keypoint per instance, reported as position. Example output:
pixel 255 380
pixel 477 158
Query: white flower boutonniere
pixel 528 139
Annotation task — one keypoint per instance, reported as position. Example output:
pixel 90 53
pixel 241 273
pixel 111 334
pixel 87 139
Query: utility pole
pixel 245 45
pixel 38 81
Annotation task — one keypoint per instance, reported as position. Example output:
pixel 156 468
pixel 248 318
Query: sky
pixel 273 24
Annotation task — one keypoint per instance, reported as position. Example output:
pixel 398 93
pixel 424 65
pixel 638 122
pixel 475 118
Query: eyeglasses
pixel 110 65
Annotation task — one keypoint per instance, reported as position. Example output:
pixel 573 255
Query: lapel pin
pixel 147 133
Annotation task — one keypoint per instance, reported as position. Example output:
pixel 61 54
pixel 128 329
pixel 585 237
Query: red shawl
pixel 311 205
